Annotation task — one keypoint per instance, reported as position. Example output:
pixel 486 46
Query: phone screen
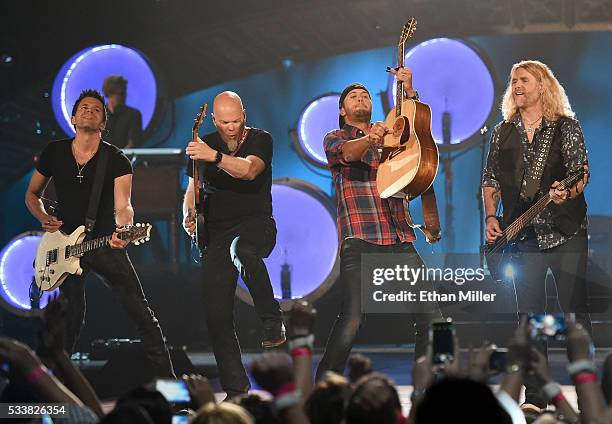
pixel 547 326
pixel 173 390
pixel 498 361
pixel 442 338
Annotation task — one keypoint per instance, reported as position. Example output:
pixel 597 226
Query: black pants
pixel 567 263
pixel 115 267
pixel 236 248
pixel 350 318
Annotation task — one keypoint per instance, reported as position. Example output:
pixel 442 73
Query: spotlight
pixel 509 271
pixel 6 60
pixel 287 63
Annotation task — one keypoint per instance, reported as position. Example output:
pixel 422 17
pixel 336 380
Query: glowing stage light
pixel 453 78
pixel 307 241
pixel 509 272
pixel 88 69
pixel 17 272
pixel 317 119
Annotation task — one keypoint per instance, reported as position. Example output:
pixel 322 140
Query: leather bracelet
pixel 36 374
pixel 491 216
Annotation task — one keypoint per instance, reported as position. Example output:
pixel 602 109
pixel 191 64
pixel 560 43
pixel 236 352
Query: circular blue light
pixel 17 271
pixel 451 77
pixel 319 118
pixel 88 69
pixel 307 239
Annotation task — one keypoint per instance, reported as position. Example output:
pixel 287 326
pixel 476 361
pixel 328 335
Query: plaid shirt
pixel 362 213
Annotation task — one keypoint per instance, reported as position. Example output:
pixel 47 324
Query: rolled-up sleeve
pixel 489 178
pixel 333 143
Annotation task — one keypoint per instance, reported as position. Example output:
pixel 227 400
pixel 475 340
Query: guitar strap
pixel 533 176
pixel 94 198
pixel 431 229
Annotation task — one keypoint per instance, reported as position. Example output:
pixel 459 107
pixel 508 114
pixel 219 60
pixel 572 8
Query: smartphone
pixel 442 335
pixel 180 419
pixel 174 391
pixel 547 326
pixel 498 360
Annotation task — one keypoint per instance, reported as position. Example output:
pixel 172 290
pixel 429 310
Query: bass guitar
pixel 197 212
pixel 499 253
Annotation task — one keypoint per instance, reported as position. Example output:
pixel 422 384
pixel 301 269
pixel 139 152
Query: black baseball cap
pixel 345 92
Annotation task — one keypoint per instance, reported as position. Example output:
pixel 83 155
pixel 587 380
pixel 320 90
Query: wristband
pixel 288 400
pixel 491 216
pixel 580 366
pixel 282 390
pixel 36 374
pixel 551 390
pixel 559 398
pixel 218 157
pixel 585 377
pixel 302 341
pixel 299 352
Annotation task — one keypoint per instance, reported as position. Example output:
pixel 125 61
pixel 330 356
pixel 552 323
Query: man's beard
pixel 363 115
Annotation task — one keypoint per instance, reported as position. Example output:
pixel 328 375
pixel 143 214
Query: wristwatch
pixel 218 157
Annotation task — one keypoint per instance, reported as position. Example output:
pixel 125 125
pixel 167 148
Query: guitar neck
pixel 89 245
pixel 399 85
pixel 196 177
pixel 529 215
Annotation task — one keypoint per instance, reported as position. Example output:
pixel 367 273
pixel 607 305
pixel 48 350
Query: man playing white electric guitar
pixel 73 164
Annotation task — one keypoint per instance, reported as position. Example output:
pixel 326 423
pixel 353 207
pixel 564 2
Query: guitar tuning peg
pixel 138 224
pixel 147 239
pixel 136 243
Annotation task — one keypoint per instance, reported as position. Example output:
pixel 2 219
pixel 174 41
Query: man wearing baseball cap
pixel 366 223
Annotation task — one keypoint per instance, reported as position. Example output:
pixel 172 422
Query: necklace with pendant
pixel 80 168
pixel 530 127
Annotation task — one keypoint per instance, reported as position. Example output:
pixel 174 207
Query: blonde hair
pixel 555 103
pixel 224 413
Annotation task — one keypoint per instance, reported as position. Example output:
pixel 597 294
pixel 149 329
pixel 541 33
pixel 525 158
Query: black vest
pixel 568 216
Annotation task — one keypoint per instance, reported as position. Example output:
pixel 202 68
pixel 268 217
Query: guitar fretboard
pixel 89 245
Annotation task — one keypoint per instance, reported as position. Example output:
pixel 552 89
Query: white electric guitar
pixel 58 254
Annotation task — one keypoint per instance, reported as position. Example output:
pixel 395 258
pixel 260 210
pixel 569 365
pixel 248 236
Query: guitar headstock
pixel 198 121
pixel 137 233
pixel 408 30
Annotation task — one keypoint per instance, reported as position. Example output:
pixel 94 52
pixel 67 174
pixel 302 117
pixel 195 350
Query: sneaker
pixel 274 335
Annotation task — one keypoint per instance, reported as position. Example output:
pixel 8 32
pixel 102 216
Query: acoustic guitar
pixel 409 160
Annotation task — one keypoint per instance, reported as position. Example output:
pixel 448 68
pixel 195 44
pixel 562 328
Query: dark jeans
pixel 233 249
pixel 568 264
pixel 349 320
pixel 115 267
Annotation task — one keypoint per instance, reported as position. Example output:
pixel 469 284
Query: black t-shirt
pixel 57 161
pixel 229 199
pixel 123 125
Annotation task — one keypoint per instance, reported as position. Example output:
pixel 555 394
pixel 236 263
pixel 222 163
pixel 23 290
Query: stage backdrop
pixel 274 100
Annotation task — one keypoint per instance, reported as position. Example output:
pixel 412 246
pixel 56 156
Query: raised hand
pixel 302 318
pixel 272 371
pixel 579 344
pixel 199 389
